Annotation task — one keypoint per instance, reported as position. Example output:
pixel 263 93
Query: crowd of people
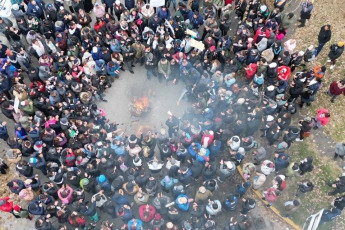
pixel 74 164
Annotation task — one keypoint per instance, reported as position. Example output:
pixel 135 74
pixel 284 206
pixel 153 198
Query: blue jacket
pixel 119 199
pixel 104 185
pixel 281 163
pixel 35 209
pixel 215 149
pixel 36 11
pixel 115 47
pixel 196 22
pixel 183 207
pixel 112 70
pixel 6 84
pixel 20 186
pixel 139 224
pixel 163 14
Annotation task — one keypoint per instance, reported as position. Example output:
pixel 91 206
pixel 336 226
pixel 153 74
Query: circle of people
pixel 60 130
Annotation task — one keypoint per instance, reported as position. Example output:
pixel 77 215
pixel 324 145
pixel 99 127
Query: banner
pixel 157 3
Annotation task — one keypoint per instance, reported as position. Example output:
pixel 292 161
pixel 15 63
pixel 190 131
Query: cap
pixel 229 164
pixel 32 160
pixel 169 46
pixel 101 178
pixel 202 189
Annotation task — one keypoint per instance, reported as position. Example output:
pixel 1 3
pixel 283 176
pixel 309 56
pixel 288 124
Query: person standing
pixel 325 35
pixel 173 125
pixel 36 9
pixel 336 88
pixel 339 150
pixel 109 4
pixel 307 8
pixel 336 50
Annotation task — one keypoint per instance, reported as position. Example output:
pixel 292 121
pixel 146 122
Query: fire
pixel 141 103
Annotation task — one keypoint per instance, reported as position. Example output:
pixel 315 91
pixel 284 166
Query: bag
pixel 123 167
pixel 306 134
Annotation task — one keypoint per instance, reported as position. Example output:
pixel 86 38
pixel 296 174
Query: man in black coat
pixel 325 35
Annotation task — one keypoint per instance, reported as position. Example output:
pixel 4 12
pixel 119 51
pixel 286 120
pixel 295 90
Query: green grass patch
pixel 325 169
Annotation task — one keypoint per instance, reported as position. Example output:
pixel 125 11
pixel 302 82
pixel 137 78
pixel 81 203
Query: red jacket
pixel 146 217
pixel 260 32
pixel 284 76
pixel 251 70
pixel 7 206
pixel 207 138
pixel 320 116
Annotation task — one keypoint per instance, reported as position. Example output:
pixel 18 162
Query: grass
pixel 325 169
pixel 326 12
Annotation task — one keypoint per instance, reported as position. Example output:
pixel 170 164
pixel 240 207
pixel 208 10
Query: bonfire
pixel 140 106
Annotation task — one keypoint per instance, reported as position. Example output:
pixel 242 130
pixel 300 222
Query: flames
pixel 140 104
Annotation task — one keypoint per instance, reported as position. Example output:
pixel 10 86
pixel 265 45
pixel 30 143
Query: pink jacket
pixel 321 116
pixel 270 195
pixel 68 198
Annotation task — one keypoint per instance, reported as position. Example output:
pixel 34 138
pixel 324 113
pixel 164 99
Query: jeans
pixel 319 48
pixel 149 74
pixel 332 95
pixel 167 3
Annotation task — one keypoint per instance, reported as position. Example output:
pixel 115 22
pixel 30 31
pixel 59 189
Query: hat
pixel 23 103
pixel 117 2
pixel 270 88
pixel 341 44
pixel 158 216
pixel 15 7
pixel 129 186
pixel 96 4
pixel 62 8
pixel 170 225
pixel 202 151
pixel 64 121
pixel 167 179
pixel 32 160
pixel 101 178
pixel 273 65
pixel 282 145
pixel 16 208
pixel 307 119
pixel 85 181
pixel 38 145
pixel 169 46
pixel 240 101
pixel 137 161
pixel 291 15
pixel 251 202
pixel 229 164
pixel 212 48
pixel 132 139
pixel 202 189
pixel 269 118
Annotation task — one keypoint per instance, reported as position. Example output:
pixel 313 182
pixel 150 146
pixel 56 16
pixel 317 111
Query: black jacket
pixel 324 35
pixel 335 51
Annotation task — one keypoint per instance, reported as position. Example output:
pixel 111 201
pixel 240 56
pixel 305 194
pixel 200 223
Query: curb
pixel 273 209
